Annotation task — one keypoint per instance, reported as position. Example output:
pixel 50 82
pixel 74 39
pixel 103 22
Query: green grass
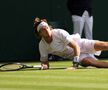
pixel 55 79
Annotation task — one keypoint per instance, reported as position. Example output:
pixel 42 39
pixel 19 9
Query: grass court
pixel 55 79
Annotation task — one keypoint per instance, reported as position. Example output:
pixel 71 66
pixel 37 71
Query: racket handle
pixel 37 66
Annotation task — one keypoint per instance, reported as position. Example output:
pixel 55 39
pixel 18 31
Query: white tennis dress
pixel 59 45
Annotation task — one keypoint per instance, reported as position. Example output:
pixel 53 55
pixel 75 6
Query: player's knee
pixel 88 62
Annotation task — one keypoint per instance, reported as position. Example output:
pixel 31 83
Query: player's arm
pixel 43 56
pixel 67 39
pixel 76 49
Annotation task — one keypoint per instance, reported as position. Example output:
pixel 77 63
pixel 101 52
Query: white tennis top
pixel 58 46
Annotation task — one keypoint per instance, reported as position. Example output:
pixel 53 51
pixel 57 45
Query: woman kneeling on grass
pixel 60 42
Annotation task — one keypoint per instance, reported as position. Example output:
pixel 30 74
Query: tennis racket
pixel 16 66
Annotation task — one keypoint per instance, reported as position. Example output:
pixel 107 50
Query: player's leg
pixel 78 24
pixel 100 45
pixel 89 61
pixel 92 46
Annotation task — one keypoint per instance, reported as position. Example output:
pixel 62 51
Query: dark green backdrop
pixel 17 41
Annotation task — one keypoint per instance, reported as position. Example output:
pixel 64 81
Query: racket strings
pixel 17 66
pixel 11 67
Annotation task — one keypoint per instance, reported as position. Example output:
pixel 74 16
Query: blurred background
pixel 17 40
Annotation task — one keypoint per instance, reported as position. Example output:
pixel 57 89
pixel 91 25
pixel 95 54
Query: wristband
pixel 76 59
pixel 76 62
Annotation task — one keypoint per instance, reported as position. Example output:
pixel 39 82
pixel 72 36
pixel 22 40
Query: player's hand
pixel 75 65
pixel 44 67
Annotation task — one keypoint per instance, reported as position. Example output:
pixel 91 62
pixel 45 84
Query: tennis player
pixel 60 42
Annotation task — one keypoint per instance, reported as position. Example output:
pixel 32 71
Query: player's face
pixel 45 32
